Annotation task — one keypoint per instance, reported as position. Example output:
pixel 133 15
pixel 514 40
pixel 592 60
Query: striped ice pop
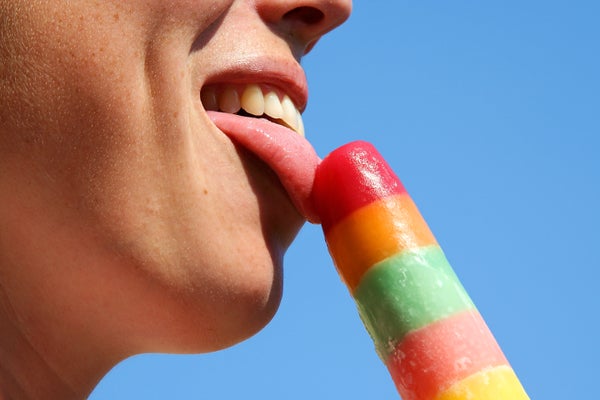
pixel 425 327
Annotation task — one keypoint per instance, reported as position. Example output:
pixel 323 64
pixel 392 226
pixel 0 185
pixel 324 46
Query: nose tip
pixel 305 21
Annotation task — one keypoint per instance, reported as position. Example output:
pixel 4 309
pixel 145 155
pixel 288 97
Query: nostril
pixel 307 15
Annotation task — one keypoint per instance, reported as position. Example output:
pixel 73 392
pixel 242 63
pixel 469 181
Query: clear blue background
pixel 489 112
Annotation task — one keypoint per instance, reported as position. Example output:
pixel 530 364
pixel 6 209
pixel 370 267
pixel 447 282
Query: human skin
pixel 129 222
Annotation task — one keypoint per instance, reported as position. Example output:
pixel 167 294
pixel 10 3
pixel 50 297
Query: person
pixel 152 175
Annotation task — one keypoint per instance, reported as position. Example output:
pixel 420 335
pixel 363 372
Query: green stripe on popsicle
pixel 408 291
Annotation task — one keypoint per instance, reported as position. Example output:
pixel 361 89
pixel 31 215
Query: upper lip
pixel 284 74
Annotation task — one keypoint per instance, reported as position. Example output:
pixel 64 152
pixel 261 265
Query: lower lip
pixel 288 154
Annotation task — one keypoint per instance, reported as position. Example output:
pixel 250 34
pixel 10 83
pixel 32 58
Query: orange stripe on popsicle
pixel 433 358
pixel 375 232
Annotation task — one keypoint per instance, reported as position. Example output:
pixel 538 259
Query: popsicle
pixel 425 327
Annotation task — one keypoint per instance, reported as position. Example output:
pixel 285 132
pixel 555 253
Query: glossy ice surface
pixel 425 327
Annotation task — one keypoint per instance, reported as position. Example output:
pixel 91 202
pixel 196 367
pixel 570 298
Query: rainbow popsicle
pixel 425 327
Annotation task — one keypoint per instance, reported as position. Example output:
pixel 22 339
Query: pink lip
pixel 288 154
pixel 287 75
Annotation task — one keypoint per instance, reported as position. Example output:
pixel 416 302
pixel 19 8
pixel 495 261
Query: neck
pixel 49 348
pixel 39 360
pixel 28 371
pixel 25 371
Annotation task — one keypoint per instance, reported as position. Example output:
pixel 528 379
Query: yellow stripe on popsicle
pixel 492 384
pixel 375 232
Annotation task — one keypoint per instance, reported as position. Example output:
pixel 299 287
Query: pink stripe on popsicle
pixel 431 359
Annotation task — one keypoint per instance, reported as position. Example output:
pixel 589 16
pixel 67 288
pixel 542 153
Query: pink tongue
pixel 290 155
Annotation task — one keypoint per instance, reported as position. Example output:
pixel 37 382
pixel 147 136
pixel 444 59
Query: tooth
pixel 300 128
pixel 273 106
pixel 253 100
pixel 290 115
pixel 209 99
pixel 229 101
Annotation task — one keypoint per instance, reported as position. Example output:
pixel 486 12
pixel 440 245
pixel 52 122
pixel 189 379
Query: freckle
pixel 205 191
pixel 116 16
pixel 175 114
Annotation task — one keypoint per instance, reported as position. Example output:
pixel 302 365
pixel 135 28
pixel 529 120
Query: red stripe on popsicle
pixel 352 176
pixel 431 359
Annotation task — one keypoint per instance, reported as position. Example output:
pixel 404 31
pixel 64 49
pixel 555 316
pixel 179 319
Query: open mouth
pixel 253 100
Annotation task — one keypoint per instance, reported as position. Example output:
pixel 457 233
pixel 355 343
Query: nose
pixel 303 22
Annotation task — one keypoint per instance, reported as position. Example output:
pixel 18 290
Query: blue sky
pixel 490 114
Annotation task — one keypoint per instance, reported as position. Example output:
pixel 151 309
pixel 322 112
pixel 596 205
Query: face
pixel 150 182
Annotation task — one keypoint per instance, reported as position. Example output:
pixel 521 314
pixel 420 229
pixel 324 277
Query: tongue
pixel 287 153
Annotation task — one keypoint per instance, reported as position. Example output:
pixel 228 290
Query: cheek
pixel 122 154
pixel 70 90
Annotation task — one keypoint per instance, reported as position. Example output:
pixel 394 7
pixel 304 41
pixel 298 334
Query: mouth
pixel 253 100
pixel 267 122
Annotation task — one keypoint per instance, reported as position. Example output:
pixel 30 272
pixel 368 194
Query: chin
pixel 237 294
pixel 228 312
pixel 255 292
pixel 259 283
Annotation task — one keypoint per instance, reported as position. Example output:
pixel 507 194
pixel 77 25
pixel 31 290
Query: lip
pixel 289 155
pixel 285 75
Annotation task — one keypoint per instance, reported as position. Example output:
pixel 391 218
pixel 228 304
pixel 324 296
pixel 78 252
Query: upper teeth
pixel 252 99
